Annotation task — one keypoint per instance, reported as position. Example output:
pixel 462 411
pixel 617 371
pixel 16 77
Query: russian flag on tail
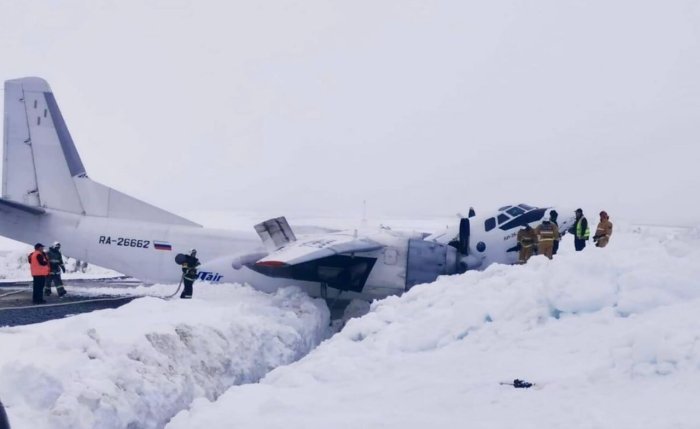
pixel 162 245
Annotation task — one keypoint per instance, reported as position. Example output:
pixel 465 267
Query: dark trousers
pixel 556 247
pixel 38 289
pixel 579 244
pixel 55 279
pixel 187 292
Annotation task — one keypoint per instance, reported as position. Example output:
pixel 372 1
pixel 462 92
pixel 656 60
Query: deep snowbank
pixel 136 366
pixel 612 337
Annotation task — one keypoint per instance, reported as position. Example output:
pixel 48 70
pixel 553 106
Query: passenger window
pixel 526 207
pixel 515 211
pixel 489 224
pixel 502 219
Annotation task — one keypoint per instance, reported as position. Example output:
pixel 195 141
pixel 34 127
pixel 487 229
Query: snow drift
pixel 136 366
pixel 611 337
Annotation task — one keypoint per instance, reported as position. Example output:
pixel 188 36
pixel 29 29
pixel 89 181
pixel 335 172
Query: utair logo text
pixel 209 276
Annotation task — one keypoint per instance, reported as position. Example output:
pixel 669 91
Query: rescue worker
pixel 56 267
pixel 553 215
pixel 603 231
pixel 581 231
pixel 39 266
pixel 189 273
pixel 527 239
pixel 547 234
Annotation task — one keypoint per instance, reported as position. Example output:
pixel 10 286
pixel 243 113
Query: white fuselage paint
pixel 101 241
pixel 129 247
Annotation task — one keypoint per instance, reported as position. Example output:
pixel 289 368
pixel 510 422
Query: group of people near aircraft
pixel 46 268
pixel 544 239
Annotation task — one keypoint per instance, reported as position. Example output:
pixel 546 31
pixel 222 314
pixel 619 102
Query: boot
pixel 61 291
pixel 47 291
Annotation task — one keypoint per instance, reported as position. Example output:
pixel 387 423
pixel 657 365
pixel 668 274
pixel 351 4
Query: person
pixel 56 267
pixel 603 231
pixel 527 239
pixel 580 230
pixel 547 233
pixel 553 215
pixel 39 267
pixel 189 273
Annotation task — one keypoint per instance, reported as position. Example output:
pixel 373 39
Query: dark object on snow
pixel 519 384
pixel 180 258
pixel 4 423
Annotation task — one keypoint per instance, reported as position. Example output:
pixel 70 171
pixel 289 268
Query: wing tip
pixel 271 264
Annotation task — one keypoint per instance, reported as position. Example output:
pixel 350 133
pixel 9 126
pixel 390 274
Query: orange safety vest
pixel 36 268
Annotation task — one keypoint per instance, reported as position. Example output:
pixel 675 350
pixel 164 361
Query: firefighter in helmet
pixel 527 240
pixel 553 215
pixel 56 268
pixel 547 234
pixel 189 273
pixel 603 231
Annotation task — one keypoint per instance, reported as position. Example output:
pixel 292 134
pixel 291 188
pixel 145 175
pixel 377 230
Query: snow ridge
pixel 136 366
pixel 609 335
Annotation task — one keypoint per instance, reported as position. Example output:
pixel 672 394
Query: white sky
pixel 421 108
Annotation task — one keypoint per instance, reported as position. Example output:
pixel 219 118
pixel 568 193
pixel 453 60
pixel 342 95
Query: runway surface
pixel 16 307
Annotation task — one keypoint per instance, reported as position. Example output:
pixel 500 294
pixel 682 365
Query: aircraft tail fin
pixel 42 167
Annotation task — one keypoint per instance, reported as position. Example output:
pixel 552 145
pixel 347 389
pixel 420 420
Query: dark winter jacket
pixel 189 268
pixel 56 261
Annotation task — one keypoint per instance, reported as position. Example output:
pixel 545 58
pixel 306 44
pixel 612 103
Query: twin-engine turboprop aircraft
pixel 47 196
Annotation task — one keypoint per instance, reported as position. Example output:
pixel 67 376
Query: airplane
pixel 47 196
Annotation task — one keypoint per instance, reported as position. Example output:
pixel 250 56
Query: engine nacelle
pixel 427 260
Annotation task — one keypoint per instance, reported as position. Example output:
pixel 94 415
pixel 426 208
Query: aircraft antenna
pixel 364 212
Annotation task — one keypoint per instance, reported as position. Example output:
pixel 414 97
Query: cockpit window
pixel 489 224
pixel 526 207
pixel 515 211
pixel 502 218
pixel 504 208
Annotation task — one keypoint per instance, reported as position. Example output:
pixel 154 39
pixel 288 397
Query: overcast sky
pixel 420 108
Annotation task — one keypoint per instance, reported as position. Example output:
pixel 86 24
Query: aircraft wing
pixel 314 248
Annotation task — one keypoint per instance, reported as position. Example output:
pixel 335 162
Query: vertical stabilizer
pixel 42 167
pixel 40 158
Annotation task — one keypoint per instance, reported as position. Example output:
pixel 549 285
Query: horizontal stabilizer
pixel 22 207
pixel 318 247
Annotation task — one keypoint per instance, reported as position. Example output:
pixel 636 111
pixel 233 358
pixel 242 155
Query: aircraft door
pixel 427 260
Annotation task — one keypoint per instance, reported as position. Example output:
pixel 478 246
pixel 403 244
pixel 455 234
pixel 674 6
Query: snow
pixel 138 365
pixel 610 337
pixel 14 266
